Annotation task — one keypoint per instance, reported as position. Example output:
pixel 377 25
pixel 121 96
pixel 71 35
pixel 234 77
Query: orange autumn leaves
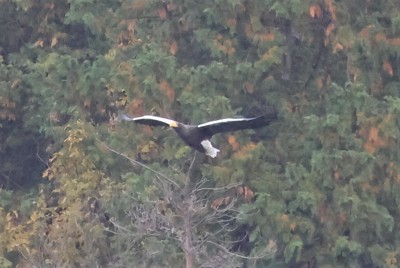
pixel 240 151
pixel 136 106
pixel 286 221
pixel 223 45
pixel 376 38
pixel 168 90
pixel 7 107
pixel 173 48
pixel 373 141
pixel 372 34
pixel 233 142
pixel 374 136
pixel 387 67
pixel 329 9
pixel 315 10
pixel 241 192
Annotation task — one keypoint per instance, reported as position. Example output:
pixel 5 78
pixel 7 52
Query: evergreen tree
pixel 321 185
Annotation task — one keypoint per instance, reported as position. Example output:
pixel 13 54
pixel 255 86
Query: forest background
pixel 320 187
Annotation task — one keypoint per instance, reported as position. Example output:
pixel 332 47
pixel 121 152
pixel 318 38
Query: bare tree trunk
pixel 188 213
pixel 188 242
pixel 179 211
pixel 189 183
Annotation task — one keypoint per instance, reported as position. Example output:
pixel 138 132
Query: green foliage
pixel 346 250
pixel 5 263
pixel 323 182
pixel 293 249
pixel 5 199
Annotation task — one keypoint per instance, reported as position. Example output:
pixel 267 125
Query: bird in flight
pixel 198 136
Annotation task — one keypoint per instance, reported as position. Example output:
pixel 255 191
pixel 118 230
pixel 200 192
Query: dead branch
pixel 142 165
pixel 183 213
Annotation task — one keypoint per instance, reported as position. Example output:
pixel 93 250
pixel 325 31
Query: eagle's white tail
pixel 210 150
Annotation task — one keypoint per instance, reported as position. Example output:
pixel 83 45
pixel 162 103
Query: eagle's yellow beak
pixel 173 124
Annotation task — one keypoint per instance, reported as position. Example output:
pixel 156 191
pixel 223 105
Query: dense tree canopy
pixel 320 187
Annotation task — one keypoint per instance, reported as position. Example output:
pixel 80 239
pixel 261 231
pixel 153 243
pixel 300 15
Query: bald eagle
pixel 198 136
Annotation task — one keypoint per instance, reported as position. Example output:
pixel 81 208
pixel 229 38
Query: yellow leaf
pixel 145 149
pixel 34 217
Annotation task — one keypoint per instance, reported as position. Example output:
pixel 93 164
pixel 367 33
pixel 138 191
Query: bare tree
pixel 186 215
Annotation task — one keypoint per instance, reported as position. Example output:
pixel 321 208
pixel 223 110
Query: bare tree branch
pixel 142 165
pixel 187 215
pixel 257 257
